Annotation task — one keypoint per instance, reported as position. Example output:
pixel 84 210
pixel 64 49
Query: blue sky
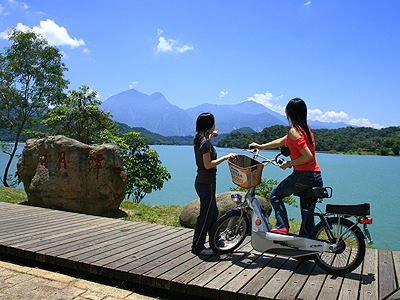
pixel 342 57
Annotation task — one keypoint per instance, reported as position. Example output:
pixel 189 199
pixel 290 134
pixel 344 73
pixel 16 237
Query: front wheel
pixel 347 253
pixel 229 233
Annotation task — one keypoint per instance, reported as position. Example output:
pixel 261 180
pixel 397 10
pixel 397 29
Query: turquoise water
pixel 354 178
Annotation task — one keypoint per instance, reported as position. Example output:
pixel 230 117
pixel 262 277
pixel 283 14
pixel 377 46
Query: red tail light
pixel 366 220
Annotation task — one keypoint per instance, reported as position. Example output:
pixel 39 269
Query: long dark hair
pixel 296 112
pixel 204 123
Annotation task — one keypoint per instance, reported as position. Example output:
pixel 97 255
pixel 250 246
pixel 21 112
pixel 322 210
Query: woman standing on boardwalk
pixel 205 184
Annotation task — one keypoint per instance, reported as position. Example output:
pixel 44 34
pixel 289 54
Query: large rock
pixel 188 217
pixel 62 173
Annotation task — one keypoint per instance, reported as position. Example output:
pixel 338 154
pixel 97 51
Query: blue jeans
pixel 296 182
pixel 208 215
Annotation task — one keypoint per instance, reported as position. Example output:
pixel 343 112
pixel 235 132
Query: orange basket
pixel 245 171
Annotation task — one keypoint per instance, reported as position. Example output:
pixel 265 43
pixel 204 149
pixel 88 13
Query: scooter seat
pixel 315 192
pixel 360 210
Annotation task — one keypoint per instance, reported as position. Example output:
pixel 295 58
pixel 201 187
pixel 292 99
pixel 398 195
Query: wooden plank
pixel 394 296
pixel 150 261
pixel 197 283
pixel 251 289
pixel 313 285
pixel 369 279
pixel 331 288
pixel 115 246
pixel 125 254
pixel 212 288
pixel 182 275
pixel 351 285
pixel 164 280
pixel 152 251
pixel 150 277
pixel 396 262
pixel 84 239
pixel 117 241
pixel 387 279
pixel 297 281
pixel 231 289
pixel 178 248
pixel 56 233
pixel 24 226
pixel 90 244
pixel 276 283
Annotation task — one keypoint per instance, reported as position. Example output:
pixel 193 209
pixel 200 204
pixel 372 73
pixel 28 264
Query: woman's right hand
pixel 230 155
pixel 254 145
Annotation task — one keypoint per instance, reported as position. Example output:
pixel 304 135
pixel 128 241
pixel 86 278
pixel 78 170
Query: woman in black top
pixel 206 161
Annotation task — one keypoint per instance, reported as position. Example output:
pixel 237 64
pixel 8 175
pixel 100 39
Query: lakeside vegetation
pixel 349 140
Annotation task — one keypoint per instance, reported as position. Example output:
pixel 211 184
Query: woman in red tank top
pixel 306 172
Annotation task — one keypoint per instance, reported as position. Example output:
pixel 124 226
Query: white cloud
pixel 133 84
pixel 307 3
pixel 267 100
pixel 170 45
pixel 18 4
pixel 329 116
pixel 223 93
pixel 333 117
pixel 54 34
pixel 365 123
pixel 86 50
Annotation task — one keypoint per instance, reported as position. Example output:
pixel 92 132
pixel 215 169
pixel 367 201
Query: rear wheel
pixel 347 253
pixel 229 233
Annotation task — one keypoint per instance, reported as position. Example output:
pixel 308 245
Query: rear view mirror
pixel 285 151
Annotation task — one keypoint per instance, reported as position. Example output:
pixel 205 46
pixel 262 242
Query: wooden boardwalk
pixel 159 256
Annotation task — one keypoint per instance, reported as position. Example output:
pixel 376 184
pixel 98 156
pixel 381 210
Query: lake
pixel 355 179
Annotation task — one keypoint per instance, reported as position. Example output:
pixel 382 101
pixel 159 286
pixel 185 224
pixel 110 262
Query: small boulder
pixel 62 173
pixel 188 217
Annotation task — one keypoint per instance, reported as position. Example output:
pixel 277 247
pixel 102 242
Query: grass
pixel 12 195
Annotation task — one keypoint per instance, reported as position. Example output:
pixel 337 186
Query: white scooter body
pixel 288 245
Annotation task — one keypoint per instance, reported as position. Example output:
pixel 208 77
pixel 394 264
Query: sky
pixel 342 57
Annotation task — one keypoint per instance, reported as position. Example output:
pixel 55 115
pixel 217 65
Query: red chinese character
pixel 43 160
pixel 62 160
pixel 97 160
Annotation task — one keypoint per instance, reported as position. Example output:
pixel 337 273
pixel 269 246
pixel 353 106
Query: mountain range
pixel 155 113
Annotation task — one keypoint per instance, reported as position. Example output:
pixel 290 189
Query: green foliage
pixel 31 79
pixel 80 117
pixel 264 190
pixel 361 140
pixel 143 166
pixel 242 140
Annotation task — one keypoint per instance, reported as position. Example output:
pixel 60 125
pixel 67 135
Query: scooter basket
pixel 245 171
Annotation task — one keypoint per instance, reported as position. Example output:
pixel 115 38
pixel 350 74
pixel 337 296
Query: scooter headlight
pixel 237 198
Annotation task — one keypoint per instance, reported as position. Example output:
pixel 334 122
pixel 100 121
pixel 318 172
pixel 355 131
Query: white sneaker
pixel 207 251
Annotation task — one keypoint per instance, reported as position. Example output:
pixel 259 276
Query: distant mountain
pixel 155 113
pixel 152 112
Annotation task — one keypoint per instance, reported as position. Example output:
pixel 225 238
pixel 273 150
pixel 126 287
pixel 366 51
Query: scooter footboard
pixel 286 245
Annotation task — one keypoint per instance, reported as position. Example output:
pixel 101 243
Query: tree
pixel 80 117
pixel 143 166
pixel 31 80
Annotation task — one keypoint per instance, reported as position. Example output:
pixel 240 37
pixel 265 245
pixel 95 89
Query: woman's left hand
pixel 285 165
pixel 215 133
